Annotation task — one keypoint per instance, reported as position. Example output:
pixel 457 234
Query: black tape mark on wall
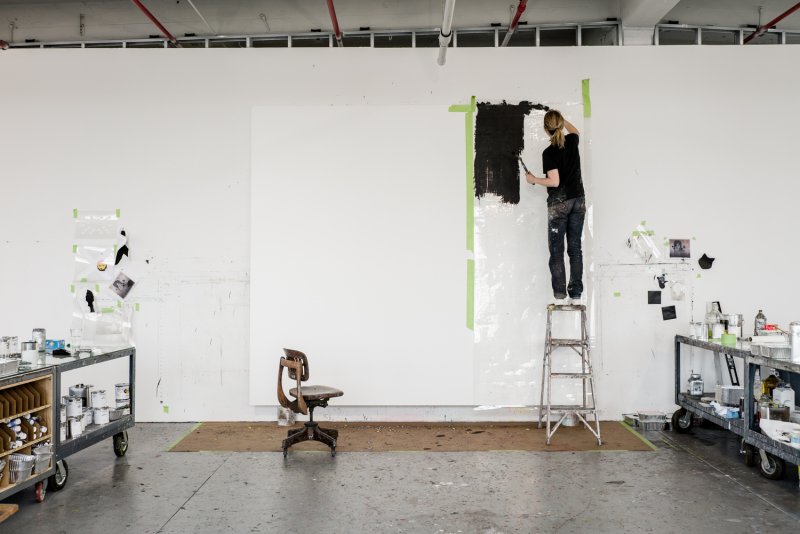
pixel 499 139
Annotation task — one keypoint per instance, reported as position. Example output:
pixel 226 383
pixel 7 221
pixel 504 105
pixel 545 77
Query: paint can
pixel 63 432
pixel 695 384
pixel 62 414
pixel 98 397
pixel 74 406
pixel 122 393
pixel 39 337
pixel 75 426
pixel 87 417
pixel 794 339
pixel 101 415
pixel 82 391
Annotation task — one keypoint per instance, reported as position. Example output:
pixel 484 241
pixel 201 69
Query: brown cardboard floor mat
pixel 441 437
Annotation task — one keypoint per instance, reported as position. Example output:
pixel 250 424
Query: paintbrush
pixel 523 164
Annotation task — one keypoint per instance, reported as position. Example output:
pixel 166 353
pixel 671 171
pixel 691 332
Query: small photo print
pixel 679 248
pixel 121 285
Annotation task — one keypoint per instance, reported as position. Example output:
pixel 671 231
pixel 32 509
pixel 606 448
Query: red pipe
pixel 158 24
pixel 760 31
pixel 336 31
pixel 520 10
pixel 515 21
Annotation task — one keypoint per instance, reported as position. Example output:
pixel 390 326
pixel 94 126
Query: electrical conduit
pixel 446 33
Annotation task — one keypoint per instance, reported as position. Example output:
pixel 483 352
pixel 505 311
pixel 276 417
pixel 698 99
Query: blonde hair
pixel 554 126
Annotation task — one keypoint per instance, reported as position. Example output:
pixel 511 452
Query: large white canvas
pixel 358 252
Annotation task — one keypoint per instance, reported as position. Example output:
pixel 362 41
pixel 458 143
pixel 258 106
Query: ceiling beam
pixel 645 13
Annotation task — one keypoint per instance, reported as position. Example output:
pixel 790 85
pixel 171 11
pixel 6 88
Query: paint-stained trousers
pixel 565 219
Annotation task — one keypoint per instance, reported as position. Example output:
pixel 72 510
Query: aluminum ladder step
pixel 580 376
pixel 568 342
pixel 570 408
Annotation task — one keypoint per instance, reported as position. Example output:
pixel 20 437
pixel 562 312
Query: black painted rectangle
pixel 668 312
pixel 654 297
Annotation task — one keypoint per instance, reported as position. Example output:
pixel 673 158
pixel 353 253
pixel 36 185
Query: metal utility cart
pixel 771 454
pixel 42 380
pixel 93 433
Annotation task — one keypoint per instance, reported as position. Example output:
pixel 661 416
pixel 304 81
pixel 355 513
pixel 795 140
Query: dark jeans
pixel 566 218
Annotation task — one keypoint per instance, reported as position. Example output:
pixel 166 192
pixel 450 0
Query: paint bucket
pixel 63 432
pixel 87 417
pixel 74 406
pixel 75 426
pixel 82 391
pixel 98 397
pixel 122 393
pixel 101 415
pixel 62 414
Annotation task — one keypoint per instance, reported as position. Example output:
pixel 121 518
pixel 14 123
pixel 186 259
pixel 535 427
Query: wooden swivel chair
pixel 306 399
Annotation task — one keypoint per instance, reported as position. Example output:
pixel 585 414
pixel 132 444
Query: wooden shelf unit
pixel 43 385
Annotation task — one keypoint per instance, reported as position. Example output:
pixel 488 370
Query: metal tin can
pixel 122 392
pixel 794 339
pixel 87 417
pixel 98 398
pixel 74 406
pixel 101 415
pixel 62 414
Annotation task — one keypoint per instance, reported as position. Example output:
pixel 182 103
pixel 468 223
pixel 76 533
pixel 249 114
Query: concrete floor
pixel 693 483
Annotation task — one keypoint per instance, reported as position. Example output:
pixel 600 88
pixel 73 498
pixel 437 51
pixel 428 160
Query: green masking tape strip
pixel 471 294
pixel 469 121
pixel 118 211
pixel 617 293
pixel 119 304
pixel 75 213
pixel 698 275
pixel 643 223
pixel 641 437
pixel 106 310
pixel 587 101
pixel 97 288
pixel 72 288
pixel 74 249
pixel 636 233
pixel 195 427
pixel 84 279
pixel 137 306
pixel 165 408
pixel 115 251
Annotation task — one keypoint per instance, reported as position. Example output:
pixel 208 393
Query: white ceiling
pixel 120 19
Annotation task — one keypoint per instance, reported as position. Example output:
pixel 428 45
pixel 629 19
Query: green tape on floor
pixel 587 100
pixel 471 294
pixel 75 213
pixel 641 437
pixel 195 427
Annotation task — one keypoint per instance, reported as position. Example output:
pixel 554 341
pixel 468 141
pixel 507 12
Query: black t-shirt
pixel 568 162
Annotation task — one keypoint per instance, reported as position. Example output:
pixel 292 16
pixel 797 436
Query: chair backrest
pixel 297 364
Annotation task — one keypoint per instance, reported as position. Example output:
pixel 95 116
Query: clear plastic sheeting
pixel 513 288
pixel 94 263
pixel 91 225
pixel 100 317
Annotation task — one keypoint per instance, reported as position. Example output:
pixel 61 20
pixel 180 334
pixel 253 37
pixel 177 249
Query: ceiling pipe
pixel 336 31
pixel 512 27
pixel 761 29
pixel 202 17
pixel 154 20
pixel 446 33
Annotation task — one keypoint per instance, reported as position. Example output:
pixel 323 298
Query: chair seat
pixel 317 392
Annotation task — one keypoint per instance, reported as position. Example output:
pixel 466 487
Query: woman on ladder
pixel 566 205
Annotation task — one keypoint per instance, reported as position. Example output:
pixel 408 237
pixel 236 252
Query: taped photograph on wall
pixel 679 248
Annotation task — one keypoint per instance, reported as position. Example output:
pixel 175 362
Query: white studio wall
pixel 679 137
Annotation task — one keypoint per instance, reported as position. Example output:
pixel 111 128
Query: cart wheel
pixel 121 443
pixel 682 421
pixel 750 454
pixel 57 481
pixel 773 468
pixel 41 490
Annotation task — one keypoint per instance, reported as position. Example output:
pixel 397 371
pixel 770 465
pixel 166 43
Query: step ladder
pixel 581 348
